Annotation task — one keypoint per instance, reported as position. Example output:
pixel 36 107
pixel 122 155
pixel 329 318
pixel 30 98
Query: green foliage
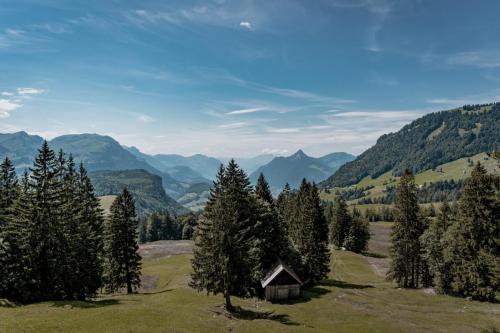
pixel 123 263
pixel 471 244
pixel 340 223
pixel 263 191
pixel 419 152
pixel 221 262
pixel 407 267
pixel 308 232
pixel 433 244
pixel 359 233
pixel 51 245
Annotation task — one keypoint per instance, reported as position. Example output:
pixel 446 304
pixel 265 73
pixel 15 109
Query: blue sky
pixel 241 78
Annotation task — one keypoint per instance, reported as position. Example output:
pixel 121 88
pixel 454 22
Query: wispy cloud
pixel 246 25
pixel 29 91
pixel 246 111
pixel 6 106
pixel 240 124
pixel 480 59
pixel 6 93
pixel 143 118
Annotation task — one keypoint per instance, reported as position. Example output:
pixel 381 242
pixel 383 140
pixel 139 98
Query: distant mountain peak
pixel 299 154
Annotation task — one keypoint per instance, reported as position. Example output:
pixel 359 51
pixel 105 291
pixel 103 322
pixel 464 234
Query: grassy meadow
pixel 355 298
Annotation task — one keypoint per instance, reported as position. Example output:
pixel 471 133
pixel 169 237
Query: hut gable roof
pixel 276 270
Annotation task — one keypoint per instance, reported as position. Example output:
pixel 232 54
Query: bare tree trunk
pixel 227 299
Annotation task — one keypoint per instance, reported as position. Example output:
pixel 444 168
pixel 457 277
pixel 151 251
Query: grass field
pixel 355 298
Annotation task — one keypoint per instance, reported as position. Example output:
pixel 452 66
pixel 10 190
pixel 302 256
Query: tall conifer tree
pixel 340 224
pixel 471 243
pixel 221 262
pixel 406 264
pixel 123 262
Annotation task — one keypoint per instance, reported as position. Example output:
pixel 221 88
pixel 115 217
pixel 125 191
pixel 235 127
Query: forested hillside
pixel 146 188
pixel 425 143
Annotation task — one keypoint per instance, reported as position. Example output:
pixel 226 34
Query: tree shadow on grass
pixel 154 292
pixel 344 285
pixel 86 304
pixel 306 296
pixel 245 314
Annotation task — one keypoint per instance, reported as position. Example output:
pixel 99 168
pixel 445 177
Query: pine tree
pixel 358 234
pixel 154 228
pixel 432 243
pixel 471 244
pixel 309 233
pixel 270 239
pixel 262 190
pixel 221 262
pixel 406 264
pixel 123 263
pixel 340 224
pixel 16 281
pixel 90 234
pixel 8 190
pixel 44 225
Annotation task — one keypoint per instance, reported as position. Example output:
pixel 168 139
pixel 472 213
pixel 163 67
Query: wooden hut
pixel 281 283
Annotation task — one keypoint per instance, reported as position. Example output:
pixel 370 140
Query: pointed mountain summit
pixel 294 168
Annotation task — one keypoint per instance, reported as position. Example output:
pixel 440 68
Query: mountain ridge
pixel 425 143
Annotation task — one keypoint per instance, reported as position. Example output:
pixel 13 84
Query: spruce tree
pixel 340 224
pixel 8 190
pixel 358 234
pixel 90 234
pixel 471 244
pixel 16 282
pixel 221 262
pixel 309 233
pixel 43 231
pixel 262 190
pixel 123 263
pixel 432 243
pixel 406 264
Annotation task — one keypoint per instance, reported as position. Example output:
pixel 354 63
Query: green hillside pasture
pixel 353 299
pixel 456 170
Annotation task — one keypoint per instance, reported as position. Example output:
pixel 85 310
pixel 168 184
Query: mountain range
pixel 185 179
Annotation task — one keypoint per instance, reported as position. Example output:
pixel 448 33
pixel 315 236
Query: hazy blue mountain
pixel 204 165
pixel 146 188
pixel 96 151
pixel 20 147
pixel 336 160
pixel 100 152
pixel 181 173
pixel 292 169
pixel 250 164
pixel 148 158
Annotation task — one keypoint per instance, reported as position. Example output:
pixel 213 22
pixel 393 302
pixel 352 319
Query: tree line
pixel 164 226
pixel 55 242
pixel 458 252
